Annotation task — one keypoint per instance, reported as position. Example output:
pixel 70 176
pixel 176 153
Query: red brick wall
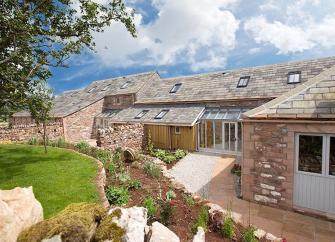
pixel 268 160
pixel 80 125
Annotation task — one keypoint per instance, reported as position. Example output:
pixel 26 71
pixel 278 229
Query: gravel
pixel 195 172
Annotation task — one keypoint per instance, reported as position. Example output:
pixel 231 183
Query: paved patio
pixel 219 188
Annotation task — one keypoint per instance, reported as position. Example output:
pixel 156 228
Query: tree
pixel 40 103
pixel 38 34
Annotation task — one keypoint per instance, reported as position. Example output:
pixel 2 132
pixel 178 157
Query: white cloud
pixel 200 35
pixel 302 25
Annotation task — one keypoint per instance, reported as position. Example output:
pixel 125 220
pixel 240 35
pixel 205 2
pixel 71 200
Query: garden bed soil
pixel 184 216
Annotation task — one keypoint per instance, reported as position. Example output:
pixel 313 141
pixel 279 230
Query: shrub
pixel 248 234
pixel 189 200
pixel 134 184
pixel 227 229
pixel 166 211
pixel 111 168
pixel 61 142
pixel 117 195
pixel 83 147
pixel 117 155
pixel 124 177
pixel 164 155
pixel 169 158
pixel 150 146
pixel 150 205
pixel 179 154
pixel 152 170
pixel 32 141
pixel 170 195
pixel 202 220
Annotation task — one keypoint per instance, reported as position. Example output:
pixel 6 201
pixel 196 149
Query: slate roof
pixel 313 99
pixel 181 115
pixel 72 101
pixel 265 82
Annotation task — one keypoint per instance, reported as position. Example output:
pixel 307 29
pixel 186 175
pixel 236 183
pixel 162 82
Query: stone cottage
pixel 278 119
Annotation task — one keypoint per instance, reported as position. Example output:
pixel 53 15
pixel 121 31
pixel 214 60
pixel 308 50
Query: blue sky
pixel 181 37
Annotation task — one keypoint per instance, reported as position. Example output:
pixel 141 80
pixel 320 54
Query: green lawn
pixel 59 178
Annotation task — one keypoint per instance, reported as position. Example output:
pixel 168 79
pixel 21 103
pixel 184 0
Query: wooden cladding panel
pixel 165 137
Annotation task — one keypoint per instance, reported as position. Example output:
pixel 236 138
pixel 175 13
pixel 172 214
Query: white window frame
pixel 325 154
pixel 291 73
pixel 162 114
pixel 176 88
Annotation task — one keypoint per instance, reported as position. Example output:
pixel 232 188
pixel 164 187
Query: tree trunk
pixel 45 138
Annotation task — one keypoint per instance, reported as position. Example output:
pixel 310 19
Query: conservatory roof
pixel 223 114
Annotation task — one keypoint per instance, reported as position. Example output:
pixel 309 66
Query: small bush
pixel 124 177
pixel 134 184
pixel 170 195
pixel 179 154
pixel 227 229
pixel 150 205
pixel 117 195
pixel 169 158
pixel 248 234
pixel 111 168
pixel 152 170
pixel 83 147
pixel 150 146
pixel 166 211
pixel 61 142
pixel 117 155
pixel 202 220
pixel 103 155
pixel 32 141
pixel 189 200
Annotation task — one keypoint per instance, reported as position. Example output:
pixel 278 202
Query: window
pixel 125 85
pixel 91 90
pixel 162 114
pixel 316 154
pixel 293 77
pixel 117 100
pixel 243 82
pixel 106 87
pixel 177 130
pixel 141 114
pixel 175 88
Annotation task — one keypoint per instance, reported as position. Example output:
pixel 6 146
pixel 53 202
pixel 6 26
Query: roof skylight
pixel 125 85
pixel 141 114
pixel 293 77
pixel 175 88
pixel 162 113
pixel 243 82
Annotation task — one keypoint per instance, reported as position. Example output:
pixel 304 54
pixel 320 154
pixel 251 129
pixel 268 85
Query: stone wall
pixel 122 135
pixel 119 101
pixel 25 132
pixel 268 159
pixel 80 125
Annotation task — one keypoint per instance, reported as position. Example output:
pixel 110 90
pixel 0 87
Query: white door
pixel 314 178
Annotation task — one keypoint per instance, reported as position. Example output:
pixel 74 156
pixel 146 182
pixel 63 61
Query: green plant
pixel 111 168
pixel 117 195
pixel 189 200
pixel 117 155
pixel 202 219
pixel 166 211
pixel 170 195
pixel 227 229
pixel 61 142
pixel 248 234
pixel 32 141
pixel 164 155
pixel 83 146
pixel 134 184
pixel 152 169
pixel 150 205
pixel 124 177
pixel 169 158
pixel 179 154
pixel 150 146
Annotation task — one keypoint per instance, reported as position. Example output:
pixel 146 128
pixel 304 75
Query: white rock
pixel 259 233
pixel 265 199
pixel 19 209
pixel 270 237
pixel 200 236
pixel 266 186
pixel 55 238
pixel 134 221
pixel 160 233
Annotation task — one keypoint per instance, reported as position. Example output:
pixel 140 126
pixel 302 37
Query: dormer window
pixel 175 88
pixel 162 113
pixel 243 82
pixel 125 85
pixel 293 77
pixel 141 114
